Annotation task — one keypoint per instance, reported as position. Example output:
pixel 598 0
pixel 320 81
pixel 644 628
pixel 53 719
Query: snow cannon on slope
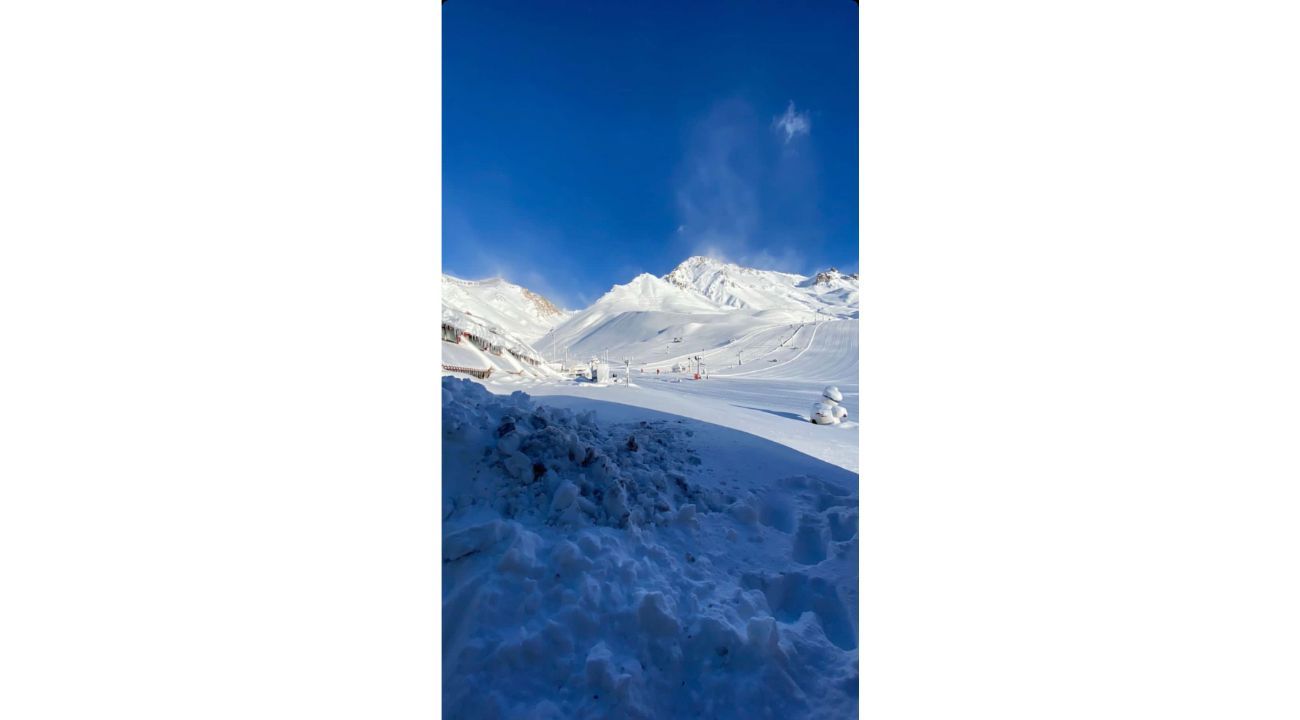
pixel 824 414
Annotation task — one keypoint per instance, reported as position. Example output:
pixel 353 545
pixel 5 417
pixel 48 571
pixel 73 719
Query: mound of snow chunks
pixel 561 467
pixel 577 579
pixel 827 410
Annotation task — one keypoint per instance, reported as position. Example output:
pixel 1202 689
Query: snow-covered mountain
pixel 511 308
pixel 829 292
pixel 836 292
pixel 647 292
pixel 642 311
pixel 702 304
pixel 504 321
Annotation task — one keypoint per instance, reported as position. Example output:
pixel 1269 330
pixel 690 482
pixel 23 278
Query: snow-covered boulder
pixel 833 395
pixel 824 414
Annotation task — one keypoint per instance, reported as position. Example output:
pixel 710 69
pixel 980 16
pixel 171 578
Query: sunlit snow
pixel 664 547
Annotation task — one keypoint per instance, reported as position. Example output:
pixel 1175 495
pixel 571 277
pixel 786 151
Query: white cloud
pixel 792 123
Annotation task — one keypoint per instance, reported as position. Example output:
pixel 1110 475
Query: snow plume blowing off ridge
pixel 717 196
pixel 659 568
pixel 746 190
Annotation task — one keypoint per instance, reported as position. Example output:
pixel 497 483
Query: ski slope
pixel 771 400
pixel 762 369
pixel 828 352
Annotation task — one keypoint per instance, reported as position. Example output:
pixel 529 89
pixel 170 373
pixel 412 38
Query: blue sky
pixel 587 142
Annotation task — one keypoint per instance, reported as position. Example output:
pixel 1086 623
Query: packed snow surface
pixel 605 560
pixel 754 384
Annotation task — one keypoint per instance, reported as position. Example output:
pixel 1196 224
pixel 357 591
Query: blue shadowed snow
pixel 601 560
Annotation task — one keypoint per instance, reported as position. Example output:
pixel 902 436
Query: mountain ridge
pixel 513 308
pixel 702 301
pixel 736 286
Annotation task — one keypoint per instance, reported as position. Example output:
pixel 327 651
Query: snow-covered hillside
pixel 702 305
pixel 830 293
pixel 503 319
pixel 763 384
pixel 509 307
pixel 645 310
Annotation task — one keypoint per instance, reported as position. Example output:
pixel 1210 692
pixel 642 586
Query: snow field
pixel 775 410
pixel 770 400
pixel 609 561
pixel 828 354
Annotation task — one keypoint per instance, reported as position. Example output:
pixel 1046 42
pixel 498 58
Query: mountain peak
pixel 702 260
pixel 545 307
pixel 689 270
pixel 646 291
pixel 831 275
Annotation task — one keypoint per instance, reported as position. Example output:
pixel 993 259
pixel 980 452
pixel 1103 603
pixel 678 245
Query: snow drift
pixel 652 568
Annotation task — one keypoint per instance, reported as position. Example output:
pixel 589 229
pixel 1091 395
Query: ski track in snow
pixel 609 561
pixel 833 359
pixel 767 369
pixel 773 401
